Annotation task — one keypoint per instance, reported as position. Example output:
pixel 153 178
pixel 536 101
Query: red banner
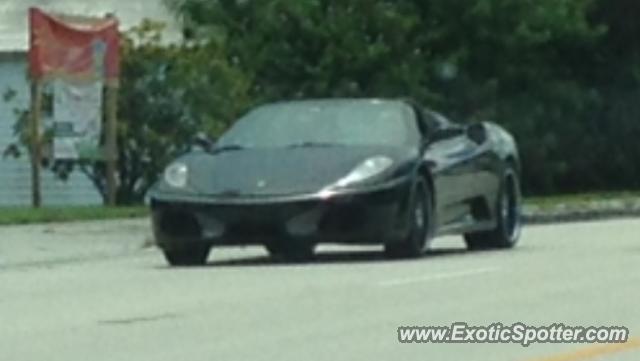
pixel 73 47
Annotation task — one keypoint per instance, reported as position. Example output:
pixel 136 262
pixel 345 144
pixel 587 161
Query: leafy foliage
pixel 562 75
pixel 167 94
pixel 527 64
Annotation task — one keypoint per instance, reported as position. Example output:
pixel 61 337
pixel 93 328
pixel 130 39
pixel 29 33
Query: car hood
pixel 265 172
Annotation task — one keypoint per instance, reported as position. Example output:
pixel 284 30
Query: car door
pixel 451 155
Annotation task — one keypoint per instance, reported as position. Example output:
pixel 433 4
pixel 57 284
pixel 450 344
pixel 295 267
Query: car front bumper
pixel 372 216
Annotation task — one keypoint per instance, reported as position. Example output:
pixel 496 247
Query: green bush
pixel 530 65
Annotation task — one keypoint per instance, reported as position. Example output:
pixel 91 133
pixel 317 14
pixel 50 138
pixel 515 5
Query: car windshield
pixel 328 123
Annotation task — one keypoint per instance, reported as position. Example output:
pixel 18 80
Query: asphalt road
pixel 90 292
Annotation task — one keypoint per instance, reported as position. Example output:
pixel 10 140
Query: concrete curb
pixel 582 211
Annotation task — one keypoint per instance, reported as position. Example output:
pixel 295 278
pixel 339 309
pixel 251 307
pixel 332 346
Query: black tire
pixel 509 222
pixel 421 218
pixel 293 251
pixel 274 249
pixel 193 255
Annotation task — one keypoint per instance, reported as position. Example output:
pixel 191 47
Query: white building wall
pixel 15 174
pixel 14 23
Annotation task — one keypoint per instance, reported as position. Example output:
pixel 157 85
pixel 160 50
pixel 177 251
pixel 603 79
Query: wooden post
pixel 36 143
pixel 111 144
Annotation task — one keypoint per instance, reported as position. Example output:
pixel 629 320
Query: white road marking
pixel 438 277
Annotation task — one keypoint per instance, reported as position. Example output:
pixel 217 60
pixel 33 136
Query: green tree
pixel 523 63
pixel 167 94
pixel 616 75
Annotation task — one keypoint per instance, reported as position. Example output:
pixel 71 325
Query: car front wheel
pixel 193 255
pixel 294 251
pixel 421 218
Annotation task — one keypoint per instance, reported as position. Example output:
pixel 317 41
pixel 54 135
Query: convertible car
pixel 291 175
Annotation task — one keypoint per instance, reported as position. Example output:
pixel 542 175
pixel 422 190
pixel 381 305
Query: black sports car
pixel 294 174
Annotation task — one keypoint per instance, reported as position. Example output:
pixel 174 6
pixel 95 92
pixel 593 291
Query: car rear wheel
pixel 193 255
pixel 421 213
pixel 508 212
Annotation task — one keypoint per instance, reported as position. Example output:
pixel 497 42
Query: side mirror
pixel 445 133
pixel 203 141
pixel 477 132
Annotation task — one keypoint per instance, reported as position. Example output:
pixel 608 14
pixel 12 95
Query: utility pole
pixel 111 143
pixel 36 142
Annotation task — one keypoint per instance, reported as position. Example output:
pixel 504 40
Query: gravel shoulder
pixel 49 244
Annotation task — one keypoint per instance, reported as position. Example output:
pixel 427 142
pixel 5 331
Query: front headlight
pixel 176 175
pixel 368 169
